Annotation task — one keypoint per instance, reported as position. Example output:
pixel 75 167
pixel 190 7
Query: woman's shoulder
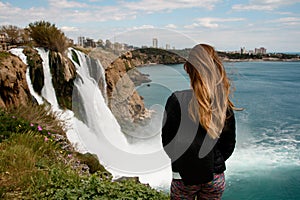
pixel 187 91
pixel 183 94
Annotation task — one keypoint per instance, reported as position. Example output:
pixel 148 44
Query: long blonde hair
pixel 211 89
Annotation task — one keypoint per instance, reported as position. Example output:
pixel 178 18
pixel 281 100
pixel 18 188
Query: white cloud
pixel 267 5
pixel 171 26
pixel 66 4
pixel 61 11
pixel 165 5
pixel 192 26
pixel 145 26
pixel 210 22
pixel 69 29
pixel 290 21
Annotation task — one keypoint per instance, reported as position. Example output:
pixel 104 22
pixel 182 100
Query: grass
pixel 3 55
pixel 33 164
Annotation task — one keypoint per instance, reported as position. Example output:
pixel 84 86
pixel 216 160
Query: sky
pixel 225 24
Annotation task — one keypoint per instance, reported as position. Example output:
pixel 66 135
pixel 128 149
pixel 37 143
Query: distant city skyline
pixel 225 24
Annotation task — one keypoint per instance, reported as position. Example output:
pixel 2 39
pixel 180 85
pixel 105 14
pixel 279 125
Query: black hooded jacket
pixel 194 155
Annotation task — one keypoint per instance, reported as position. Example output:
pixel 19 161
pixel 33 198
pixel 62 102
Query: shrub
pixel 24 161
pixel 47 35
pixel 34 165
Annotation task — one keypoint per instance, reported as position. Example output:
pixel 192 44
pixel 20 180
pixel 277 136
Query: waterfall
pixel 48 91
pixel 93 128
pixel 95 71
pixel 19 52
pixel 98 116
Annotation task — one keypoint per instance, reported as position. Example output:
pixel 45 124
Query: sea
pixel 266 162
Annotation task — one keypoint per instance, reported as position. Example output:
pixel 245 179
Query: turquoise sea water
pixel 266 161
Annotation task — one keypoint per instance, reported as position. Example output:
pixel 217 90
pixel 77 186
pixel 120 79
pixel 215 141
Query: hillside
pixel 37 161
pixel 158 56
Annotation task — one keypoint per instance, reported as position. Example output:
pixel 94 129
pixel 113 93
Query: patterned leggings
pixel 212 190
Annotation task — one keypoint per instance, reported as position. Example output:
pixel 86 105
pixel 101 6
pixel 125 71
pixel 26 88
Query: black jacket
pixel 192 152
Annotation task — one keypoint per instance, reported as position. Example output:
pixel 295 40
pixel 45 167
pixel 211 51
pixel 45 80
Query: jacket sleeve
pixel 227 140
pixel 171 119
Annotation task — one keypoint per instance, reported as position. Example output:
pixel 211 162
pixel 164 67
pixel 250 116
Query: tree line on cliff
pixel 39 33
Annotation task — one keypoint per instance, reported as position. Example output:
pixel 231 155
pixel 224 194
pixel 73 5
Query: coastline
pixel 262 60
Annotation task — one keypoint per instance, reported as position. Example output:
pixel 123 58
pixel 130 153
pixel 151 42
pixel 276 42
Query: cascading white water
pixel 143 159
pixel 19 52
pixel 48 91
pixel 98 116
pixel 98 131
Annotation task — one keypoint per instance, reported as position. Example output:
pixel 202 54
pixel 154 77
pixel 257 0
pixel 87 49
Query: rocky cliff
pixel 124 101
pixel 63 75
pixel 14 90
pixel 121 78
pixel 153 55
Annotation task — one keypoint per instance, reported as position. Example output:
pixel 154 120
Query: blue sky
pixel 225 24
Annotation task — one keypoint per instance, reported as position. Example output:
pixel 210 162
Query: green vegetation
pixel 3 55
pixel 240 56
pixel 269 56
pixel 155 55
pixel 48 35
pixel 15 35
pixel 35 165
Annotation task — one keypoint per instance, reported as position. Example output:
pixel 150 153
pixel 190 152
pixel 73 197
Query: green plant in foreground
pixel 29 169
pixel 34 166
pixel 24 158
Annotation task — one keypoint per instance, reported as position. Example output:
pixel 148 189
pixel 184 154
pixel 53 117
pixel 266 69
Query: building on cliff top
pixel 3 42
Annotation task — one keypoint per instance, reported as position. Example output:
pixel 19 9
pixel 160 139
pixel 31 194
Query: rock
pixel 124 101
pixel 126 178
pixel 14 89
pixel 105 57
pixel 91 160
pixel 154 55
pixel 63 75
pixel 36 71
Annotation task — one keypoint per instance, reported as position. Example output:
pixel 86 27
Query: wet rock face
pixel 36 71
pixel 63 75
pixel 14 90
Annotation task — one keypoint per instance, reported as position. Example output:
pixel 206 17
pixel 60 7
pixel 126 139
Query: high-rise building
pixel 261 50
pixel 81 41
pixel 243 50
pixel 154 43
pixel 168 46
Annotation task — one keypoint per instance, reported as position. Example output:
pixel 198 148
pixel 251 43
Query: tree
pixel 108 44
pixel 47 35
pixel 13 34
pixel 100 43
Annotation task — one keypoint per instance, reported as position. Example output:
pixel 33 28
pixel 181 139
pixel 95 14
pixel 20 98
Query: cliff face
pixel 14 90
pixel 122 77
pixel 63 75
pixel 36 69
pixel 124 101
pixel 154 55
